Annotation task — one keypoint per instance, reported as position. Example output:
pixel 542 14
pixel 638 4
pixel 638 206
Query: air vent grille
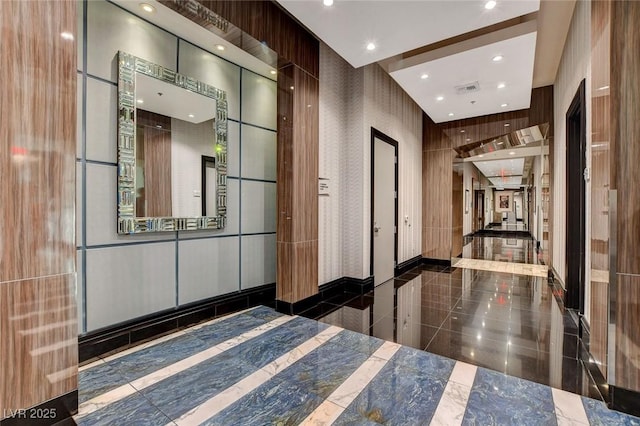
pixel 472 87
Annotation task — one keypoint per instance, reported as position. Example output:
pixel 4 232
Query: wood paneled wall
pixel 625 127
pixel 154 151
pixel 37 203
pixel 601 169
pixel 439 229
pixel 266 22
pixel 297 168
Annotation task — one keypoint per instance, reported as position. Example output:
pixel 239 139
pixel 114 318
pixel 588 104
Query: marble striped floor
pixel 259 367
pixel 497 266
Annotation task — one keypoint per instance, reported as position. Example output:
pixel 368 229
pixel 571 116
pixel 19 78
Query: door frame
pixel 575 229
pixel 375 133
pixel 478 199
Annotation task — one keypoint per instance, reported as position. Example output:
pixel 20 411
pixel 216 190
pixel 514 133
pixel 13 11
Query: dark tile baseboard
pixel 120 336
pixel 57 411
pixel 624 400
pixel 436 262
pixel 406 266
pixel 326 291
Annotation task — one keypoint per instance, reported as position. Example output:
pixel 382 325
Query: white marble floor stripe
pixel 569 408
pixel 171 336
pixel 506 267
pixel 213 406
pixel 329 411
pixel 453 403
pixel 123 391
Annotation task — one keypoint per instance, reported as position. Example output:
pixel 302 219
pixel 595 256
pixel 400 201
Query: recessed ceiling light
pixel 504 105
pixel 490 4
pixel 291 87
pixel 68 36
pixel 440 98
pixel 371 46
pixel 599 88
pixel 481 155
pixel 140 101
pixel 462 131
pixel 424 76
pixel 497 58
pixel 220 47
pixel 273 72
pixel 506 124
pixel 327 2
pixel 450 114
pixel 147 7
pixel 158 126
pixel 468 139
pixel 190 115
pixel 512 153
pixel 501 86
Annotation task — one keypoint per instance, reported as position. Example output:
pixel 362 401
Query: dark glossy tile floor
pixel 505 322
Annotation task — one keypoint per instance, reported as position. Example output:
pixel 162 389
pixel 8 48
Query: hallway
pixel 456 332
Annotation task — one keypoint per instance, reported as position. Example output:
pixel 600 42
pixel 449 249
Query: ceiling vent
pixel 468 88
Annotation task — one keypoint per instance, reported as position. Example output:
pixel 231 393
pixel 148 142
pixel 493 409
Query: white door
pixel 384 182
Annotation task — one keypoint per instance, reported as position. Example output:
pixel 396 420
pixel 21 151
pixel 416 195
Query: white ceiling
pixel 505 173
pixel 415 37
pixel 397 26
pixel 515 71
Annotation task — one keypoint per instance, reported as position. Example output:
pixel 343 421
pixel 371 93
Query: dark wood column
pixel 297 228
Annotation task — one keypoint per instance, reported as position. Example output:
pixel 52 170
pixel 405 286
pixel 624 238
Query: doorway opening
pixel 575 199
pixel 384 206
pixel 478 211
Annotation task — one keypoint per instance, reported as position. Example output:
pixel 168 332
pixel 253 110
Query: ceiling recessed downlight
pixel 450 114
pixel 512 153
pixel 462 131
pixel 481 155
pixel 440 98
pixel 66 35
pixel 424 76
pixel 147 7
pixel 140 101
pixel 506 124
pixel 191 115
pixel 371 46
pixel 501 86
pixel 220 47
pixel 327 2
pixel 599 88
pixel 273 72
pixel 504 105
pixel 497 58
pixel 490 4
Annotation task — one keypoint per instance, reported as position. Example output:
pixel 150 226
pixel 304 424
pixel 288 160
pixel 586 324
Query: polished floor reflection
pixel 509 322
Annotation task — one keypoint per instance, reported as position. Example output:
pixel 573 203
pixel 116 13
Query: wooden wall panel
pixel 297 170
pixel 600 180
pixel 38 362
pixel 628 333
pixel 265 21
pixel 625 91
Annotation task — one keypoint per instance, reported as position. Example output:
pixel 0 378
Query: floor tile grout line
pixel 340 399
pixel 157 376
pixel 226 398
pixel 442 323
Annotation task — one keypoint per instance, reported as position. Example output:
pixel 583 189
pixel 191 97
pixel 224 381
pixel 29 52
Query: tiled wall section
pixel 124 277
pixel 625 66
pixel 38 324
pixel 351 102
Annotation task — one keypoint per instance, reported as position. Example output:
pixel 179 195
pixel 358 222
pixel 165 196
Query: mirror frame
pixel 128 223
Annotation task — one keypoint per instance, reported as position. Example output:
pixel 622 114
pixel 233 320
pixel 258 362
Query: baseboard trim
pixel 624 400
pixel 407 265
pixel 136 331
pixel 56 411
pixel 437 262
pixel 326 291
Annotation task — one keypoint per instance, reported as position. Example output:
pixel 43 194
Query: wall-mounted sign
pixel 323 186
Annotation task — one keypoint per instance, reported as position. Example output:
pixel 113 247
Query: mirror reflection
pixel 171 150
pixel 502 188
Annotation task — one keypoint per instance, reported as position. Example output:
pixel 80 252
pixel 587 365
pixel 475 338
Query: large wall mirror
pixel 172 150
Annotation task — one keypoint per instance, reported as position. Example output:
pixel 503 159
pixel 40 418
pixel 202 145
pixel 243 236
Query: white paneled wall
pixel 351 102
pixel 574 67
pixel 124 277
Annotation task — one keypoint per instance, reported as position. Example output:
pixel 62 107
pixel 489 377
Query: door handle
pixel 376 228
